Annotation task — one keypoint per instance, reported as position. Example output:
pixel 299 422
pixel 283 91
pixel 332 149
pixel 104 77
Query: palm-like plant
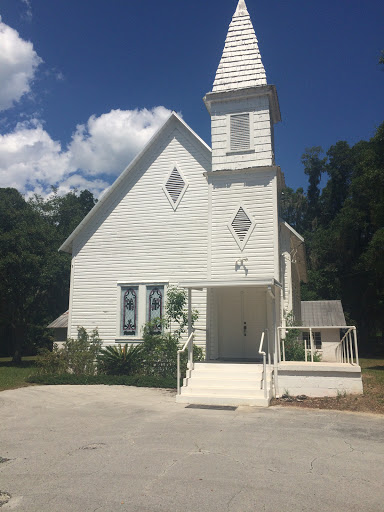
pixel 121 360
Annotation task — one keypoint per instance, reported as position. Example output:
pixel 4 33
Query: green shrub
pixel 78 356
pixel 294 345
pixel 109 380
pixel 118 360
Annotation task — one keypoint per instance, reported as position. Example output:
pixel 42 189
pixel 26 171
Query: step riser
pixel 222 383
pixel 229 366
pixel 244 392
pixel 229 401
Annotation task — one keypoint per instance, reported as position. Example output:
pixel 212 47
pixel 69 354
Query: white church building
pixel 208 220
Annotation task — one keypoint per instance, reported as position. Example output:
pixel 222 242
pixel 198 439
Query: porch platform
pixel 319 379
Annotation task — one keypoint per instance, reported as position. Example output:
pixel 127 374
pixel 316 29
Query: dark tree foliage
pixel 343 225
pixel 34 276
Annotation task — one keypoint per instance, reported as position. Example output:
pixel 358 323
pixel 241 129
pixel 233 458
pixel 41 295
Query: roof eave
pixel 68 244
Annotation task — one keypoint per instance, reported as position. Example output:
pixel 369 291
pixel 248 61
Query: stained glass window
pixel 130 304
pixel 155 296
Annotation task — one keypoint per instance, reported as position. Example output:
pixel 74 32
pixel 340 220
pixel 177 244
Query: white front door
pixel 242 319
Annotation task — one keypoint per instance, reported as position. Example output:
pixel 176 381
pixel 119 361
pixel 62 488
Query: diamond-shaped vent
pixel 241 224
pixel 175 187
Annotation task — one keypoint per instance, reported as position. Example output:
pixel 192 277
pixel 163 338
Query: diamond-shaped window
pixel 175 187
pixel 241 226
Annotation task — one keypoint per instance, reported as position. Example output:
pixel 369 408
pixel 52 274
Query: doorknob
pixel 245 328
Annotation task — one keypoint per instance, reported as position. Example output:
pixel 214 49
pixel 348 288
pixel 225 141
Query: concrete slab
pixel 101 448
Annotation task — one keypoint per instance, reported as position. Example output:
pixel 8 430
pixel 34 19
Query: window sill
pixel 240 152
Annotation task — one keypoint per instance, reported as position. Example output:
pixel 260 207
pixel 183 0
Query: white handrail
pixel 262 353
pixel 190 358
pixel 346 350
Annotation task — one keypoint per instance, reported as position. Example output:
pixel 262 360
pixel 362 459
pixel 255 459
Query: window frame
pixel 316 340
pixel 251 148
pixel 142 311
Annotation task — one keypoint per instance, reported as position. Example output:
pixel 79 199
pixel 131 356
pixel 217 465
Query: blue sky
pixel 84 84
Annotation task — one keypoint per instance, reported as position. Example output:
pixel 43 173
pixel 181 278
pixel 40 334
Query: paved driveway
pixel 100 448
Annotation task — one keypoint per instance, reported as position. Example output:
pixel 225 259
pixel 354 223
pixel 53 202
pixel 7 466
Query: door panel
pixel 242 318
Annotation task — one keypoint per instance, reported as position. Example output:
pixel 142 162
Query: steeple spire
pixel 240 66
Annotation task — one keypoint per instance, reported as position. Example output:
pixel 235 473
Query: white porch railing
pixel 262 353
pixel 189 344
pixel 346 350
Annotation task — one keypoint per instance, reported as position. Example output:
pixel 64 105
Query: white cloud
pixel 31 161
pixel 107 143
pixel 28 11
pixel 18 63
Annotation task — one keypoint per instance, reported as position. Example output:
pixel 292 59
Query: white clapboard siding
pixel 256 192
pixel 238 154
pixel 137 237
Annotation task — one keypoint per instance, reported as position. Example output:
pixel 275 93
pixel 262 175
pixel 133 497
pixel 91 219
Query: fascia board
pixel 293 231
pixel 67 245
pixel 246 93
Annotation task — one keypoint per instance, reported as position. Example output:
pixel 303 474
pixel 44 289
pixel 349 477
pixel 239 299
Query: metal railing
pixel 346 350
pixel 262 353
pixel 189 344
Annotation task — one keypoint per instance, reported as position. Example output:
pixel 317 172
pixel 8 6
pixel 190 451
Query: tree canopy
pixel 34 276
pixel 343 224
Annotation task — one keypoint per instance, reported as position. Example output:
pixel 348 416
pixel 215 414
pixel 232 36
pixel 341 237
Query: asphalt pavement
pixel 112 448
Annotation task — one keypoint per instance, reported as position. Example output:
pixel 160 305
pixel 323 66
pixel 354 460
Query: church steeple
pixel 243 107
pixel 240 64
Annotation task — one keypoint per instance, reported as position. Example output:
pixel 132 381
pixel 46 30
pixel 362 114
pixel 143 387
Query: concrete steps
pixel 225 384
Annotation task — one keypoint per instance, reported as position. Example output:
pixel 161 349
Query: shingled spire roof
pixel 240 65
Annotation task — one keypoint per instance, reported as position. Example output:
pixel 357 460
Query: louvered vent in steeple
pixel 175 187
pixel 240 132
pixel 241 226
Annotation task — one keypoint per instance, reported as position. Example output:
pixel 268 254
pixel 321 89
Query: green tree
pixel 34 276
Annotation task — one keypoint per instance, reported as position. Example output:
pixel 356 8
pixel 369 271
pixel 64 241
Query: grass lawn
pixel 371 401
pixel 14 376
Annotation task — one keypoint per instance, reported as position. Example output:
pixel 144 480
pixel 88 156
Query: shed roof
pixel 322 313
pixel 240 64
pixel 60 323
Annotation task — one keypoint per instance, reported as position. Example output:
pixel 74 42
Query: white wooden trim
pixel 72 278
pixel 176 166
pixel 67 245
pixel 251 134
pixel 141 309
pixel 241 243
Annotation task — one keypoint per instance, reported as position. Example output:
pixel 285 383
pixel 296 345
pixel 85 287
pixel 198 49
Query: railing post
pixel 356 349
pixel 190 344
pixel 311 340
pixel 178 373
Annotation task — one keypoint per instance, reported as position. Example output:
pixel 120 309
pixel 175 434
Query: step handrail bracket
pixel 262 353
pixel 188 344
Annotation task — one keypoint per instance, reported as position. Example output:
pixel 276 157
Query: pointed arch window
pixel 155 302
pixel 130 304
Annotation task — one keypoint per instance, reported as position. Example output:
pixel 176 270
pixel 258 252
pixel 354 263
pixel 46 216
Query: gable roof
pixel 173 118
pixel 240 64
pixel 322 313
pixel 60 323
pixel 299 251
